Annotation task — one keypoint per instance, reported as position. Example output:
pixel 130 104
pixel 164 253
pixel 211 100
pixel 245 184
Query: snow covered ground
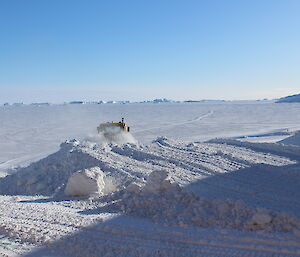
pixel 29 133
pixel 173 194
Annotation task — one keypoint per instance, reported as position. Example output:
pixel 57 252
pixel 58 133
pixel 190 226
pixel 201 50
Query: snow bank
pixel 169 204
pixel 50 175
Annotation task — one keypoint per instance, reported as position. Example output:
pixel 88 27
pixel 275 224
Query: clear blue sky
pixel 61 50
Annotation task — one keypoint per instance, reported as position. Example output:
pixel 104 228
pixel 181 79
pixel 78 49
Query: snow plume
pixel 168 203
pixel 119 138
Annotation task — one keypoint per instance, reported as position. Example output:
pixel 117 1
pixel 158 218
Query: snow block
pixel 261 218
pixel 86 182
pixel 155 181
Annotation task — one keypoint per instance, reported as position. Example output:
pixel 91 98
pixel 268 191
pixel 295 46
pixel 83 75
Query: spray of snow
pixel 119 138
pixel 3 174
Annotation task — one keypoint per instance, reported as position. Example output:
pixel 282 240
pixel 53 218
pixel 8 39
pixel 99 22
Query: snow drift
pixel 49 176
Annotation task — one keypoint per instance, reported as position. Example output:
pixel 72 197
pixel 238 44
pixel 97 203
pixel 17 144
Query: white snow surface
pixel 29 133
pixel 174 196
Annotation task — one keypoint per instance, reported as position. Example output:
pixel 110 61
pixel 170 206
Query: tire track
pixel 178 124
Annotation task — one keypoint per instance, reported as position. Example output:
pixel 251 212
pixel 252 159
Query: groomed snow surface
pixel 169 197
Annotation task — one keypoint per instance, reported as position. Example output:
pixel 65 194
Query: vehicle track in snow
pixel 176 124
pixel 137 241
pixel 71 233
pixel 138 237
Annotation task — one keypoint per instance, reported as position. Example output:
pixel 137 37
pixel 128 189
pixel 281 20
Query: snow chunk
pixel 155 180
pixel 133 188
pixel 261 218
pixel 86 182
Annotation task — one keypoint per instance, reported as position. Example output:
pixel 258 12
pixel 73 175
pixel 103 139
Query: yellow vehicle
pixel 109 129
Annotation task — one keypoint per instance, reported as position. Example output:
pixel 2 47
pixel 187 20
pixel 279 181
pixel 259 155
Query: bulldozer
pixel 111 129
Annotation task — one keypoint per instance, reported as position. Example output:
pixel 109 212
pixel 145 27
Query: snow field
pixel 166 198
pixel 30 133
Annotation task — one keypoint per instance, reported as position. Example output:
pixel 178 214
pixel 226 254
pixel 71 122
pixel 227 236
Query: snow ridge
pixel 168 203
pixel 211 170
